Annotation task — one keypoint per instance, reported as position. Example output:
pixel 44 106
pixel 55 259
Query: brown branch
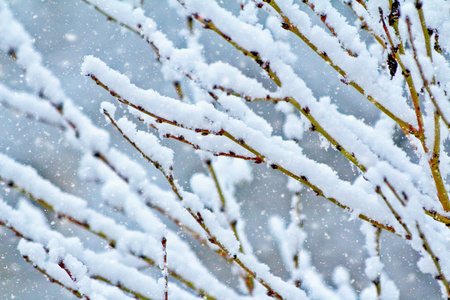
pixel 32 116
pixel 426 83
pixel 110 241
pixel 165 269
pixel 248 280
pixel 407 75
pixel 377 281
pixel 433 162
pixel 291 27
pixel 441 277
pixel 364 24
pixel 196 215
pixel 323 18
pixel 53 280
pixel 138 31
pixel 208 24
pixel 157 165
pixel 182 139
pixel 261 159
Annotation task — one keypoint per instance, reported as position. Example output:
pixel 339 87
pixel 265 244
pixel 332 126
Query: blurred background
pixel 66 31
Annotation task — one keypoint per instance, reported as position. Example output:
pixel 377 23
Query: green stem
pixel 434 160
pixel 377 281
pixel 291 27
pixel 441 276
pixel 426 34
pixel 304 180
pixel 248 280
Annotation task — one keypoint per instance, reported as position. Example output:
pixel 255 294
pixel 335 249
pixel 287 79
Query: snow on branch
pixel 16 42
pixel 210 121
pixel 395 178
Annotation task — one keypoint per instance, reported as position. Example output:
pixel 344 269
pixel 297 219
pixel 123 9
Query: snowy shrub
pixel 246 112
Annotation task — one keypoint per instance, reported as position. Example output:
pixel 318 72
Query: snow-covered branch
pixel 243 100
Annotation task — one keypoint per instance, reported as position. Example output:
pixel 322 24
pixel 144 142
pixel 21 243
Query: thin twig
pixel 426 83
pixel 138 31
pixel 425 32
pixel 364 24
pixel 102 235
pixel 406 127
pixel 425 244
pixel 120 286
pixel 261 158
pixel 165 269
pixel 197 216
pixel 32 116
pixel 208 24
pixel 437 264
pixel 53 280
pixel 323 18
pixel 434 160
pixel 157 165
pixel 377 281
pixel 407 75
pixel 248 280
